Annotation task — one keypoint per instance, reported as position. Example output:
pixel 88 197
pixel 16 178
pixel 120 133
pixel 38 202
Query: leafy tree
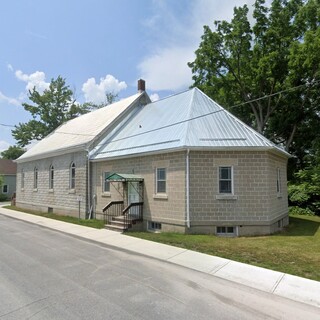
pixel 237 64
pixel 110 98
pixel 50 109
pixel 304 193
pixel 13 152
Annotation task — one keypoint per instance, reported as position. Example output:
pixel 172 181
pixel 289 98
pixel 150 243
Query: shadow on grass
pixel 301 227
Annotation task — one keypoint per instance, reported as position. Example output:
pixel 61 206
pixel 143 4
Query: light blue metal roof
pixel 186 120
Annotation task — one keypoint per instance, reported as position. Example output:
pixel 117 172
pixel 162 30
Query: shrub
pixel 301 211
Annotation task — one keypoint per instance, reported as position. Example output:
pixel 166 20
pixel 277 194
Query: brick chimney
pixel 141 85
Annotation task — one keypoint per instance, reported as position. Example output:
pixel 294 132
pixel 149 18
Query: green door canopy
pixel 119 177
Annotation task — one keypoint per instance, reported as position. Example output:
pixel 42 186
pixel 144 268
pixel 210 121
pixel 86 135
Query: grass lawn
pixel 93 223
pixel 295 251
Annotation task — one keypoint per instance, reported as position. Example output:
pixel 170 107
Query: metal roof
pixel 187 120
pixel 121 177
pixel 79 132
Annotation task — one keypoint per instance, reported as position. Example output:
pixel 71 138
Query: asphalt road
pixel 49 275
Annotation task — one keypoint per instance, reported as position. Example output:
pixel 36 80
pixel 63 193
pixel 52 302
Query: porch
pixel 121 215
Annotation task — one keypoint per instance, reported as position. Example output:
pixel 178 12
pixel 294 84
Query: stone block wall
pixel 61 199
pixel 168 208
pixel 254 207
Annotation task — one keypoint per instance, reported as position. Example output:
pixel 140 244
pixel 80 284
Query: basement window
pixel 154 226
pixel 225 231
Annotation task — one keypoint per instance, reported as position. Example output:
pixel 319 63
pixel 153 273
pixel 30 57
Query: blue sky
pixel 99 46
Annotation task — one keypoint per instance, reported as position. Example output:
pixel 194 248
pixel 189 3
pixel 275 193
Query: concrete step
pixel 114 228
pixel 120 223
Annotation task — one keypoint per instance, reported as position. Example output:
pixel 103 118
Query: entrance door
pixel 133 196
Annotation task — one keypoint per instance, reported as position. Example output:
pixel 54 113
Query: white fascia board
pixel 55 153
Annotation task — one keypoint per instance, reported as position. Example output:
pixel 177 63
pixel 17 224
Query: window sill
pixel 226 197
pixel 163 196
pixel 22 189
pixel 71 191
pixel 279 195
pixel 106 194
pixel 51 190
pixel 35 190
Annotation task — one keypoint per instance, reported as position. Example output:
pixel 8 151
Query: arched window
pixel 22 179
pixel 72 175
pixel 35 178
pixel 51 177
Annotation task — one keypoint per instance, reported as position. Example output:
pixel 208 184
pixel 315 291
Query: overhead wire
pixel 186 120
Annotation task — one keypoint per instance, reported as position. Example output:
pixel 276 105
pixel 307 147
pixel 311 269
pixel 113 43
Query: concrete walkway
pixel 278 283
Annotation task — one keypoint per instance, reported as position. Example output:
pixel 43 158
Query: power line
pixel 207 114
pixel 183 121
pixel 7 125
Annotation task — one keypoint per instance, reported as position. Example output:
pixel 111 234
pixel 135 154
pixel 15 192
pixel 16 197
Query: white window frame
pixel 51 177
pixel 106 184
pixel 7 187
pixel 225 232
pixel 161 180
pixel 221 180
pixel 154 226
pixel 72 176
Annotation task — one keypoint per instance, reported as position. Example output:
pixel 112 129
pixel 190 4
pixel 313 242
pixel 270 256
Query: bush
pixel 301 211
pixel 3 197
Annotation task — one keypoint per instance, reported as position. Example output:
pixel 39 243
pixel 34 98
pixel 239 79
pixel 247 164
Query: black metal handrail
pixel 133 212
pixel 112 209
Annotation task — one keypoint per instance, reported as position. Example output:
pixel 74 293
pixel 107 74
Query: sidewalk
pixel 281 284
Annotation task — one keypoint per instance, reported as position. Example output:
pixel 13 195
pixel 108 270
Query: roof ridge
pixel 243 124
pixel 188 117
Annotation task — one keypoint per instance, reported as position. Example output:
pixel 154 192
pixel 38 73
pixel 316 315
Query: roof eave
pixel 272 149
pixel 57 152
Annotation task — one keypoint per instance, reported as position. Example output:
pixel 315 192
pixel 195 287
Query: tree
pixel 304 192
pixel 109 99
pixel 13 152
pixel 50 109
pixel 244 67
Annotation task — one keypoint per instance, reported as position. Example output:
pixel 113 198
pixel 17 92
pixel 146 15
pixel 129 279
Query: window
pixel 22 179
pixel 5 188
pixel 106 184
pixel 72 176
pixel 154 226
pixel 35 178
pixel 225 230
pixel 225 179
pixel 161 180
pixel 278 181
pixel 51 177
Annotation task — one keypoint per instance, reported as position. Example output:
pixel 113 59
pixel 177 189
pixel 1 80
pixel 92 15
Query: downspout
pixel 188 188
pixel 88 185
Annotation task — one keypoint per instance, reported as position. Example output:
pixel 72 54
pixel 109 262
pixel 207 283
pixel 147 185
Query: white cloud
pixel 96 92
pixel 36 79
pixel 10 67
pixel 154 97
pixel 174 39
pixel 4 145
pixel 168 70
pixel 9 100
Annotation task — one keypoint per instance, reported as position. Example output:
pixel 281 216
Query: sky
pixel 99 46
